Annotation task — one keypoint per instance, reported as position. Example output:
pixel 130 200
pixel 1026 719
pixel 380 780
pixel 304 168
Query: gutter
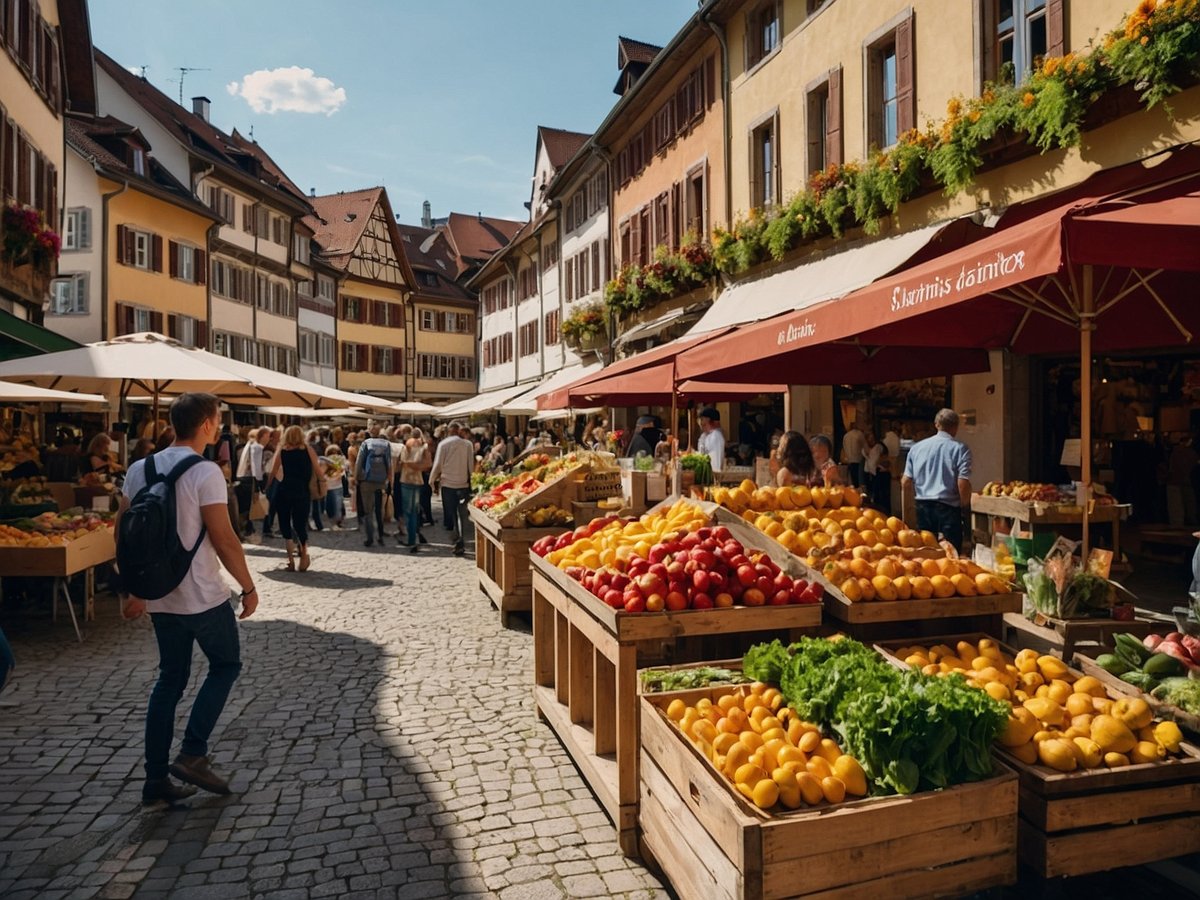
pixel 104 199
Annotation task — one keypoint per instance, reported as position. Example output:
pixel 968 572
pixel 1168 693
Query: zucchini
pixel 1113 664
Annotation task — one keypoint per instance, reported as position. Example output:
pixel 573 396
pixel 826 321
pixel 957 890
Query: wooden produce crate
pixel 60 561
pixel 1046 513
pixel 559 492
pixel 502 560
pixel 1189 722
pixel 585 660
pixel 599 485
pixel 711 843
pixel 1093 820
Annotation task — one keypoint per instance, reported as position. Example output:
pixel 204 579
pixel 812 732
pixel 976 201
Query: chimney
pixel 480 217
pixel 200 107
pixel 426 215
pixel 312 192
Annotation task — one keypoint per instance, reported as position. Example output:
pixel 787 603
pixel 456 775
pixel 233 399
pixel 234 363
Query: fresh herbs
pixel 657 681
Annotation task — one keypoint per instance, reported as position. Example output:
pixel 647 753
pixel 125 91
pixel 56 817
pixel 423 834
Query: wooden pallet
pixel 502 560
pixel 711 843
pixel 1189 722
pixel 585 659
pixel 1093 820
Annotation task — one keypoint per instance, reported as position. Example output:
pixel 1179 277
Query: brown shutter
pixel 172 325
pixel 1056 31
pixel 22 169
pixel 156 253
pixel 201 267
pixel 156 322
pixel 6 153
pixel 52 197
pixel 776 162
pixel 55 86
pixel 710 82
pixel 124 319
pixel 173 259
pixel 906 76
pixel 129 246
pixel 833 119
pixel 202 335
pixel 247 218
pixel 364 352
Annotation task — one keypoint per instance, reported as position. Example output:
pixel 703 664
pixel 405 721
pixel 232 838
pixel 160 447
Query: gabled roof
pixel 229 153
pixel 560 145
pixel 474 239
pixel 432 258
pixel 340 220
pixel 629 50
pixel 101 142
pixel 77 62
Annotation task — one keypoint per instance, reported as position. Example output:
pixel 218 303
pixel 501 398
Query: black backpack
pixel 151 559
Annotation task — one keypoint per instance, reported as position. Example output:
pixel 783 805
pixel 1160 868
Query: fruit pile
pixel 501 498
pixel 546 517
pixel 671 560
pixel 865 574
pixel 1059 719
pixel 1026 492
pixel 51 529
pixel 24 491
pixel 1145 663
pixel 766 751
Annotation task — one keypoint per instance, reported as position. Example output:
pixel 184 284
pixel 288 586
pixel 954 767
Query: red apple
pixel 635 605
pixel 620 581
pixel 783 582
pixel 781 598
pixel 681 556
pixel 703 558
pixel 764 584
pixel 658 569
pixel 721 533
pixel 658 553
pixel 746 575
pixel 704 533
pixel 654 603
pixel 651 583
pixel 753 597
pixel 701 581
pixel 689 540
pixel 614 598
pixel 718 580
pixel 738 560
pixel 702 601
pixel 723 600
pixel 812 594
pixel 676 600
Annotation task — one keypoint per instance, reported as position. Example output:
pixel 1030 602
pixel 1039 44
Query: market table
pixel 1045 517
pixel 61 562
pixel 502 559
pixel 1064 634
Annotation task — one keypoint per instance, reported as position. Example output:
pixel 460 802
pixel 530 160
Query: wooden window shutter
pixel 833 119
pixel 84 234
pixel 126 244
pixel 172 326
pixel 200 265
pixel 173 260
pixel 247 218
pixel 156 251
pixel 363 357
pixel 125 317
pixel 52 197
pixel 1056 32
pixel 202 335
pixel 710 85
pixel 776 162
pixel 23 173
pixel 5 150
pixel 55 85
pixel 635 239
pixel 156 322
pixel 906 75
pixel 755 168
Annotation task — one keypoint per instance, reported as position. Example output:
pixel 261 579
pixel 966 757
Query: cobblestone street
pixel 381 741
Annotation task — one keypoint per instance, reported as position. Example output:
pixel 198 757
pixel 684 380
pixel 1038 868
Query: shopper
pixel 426 490
pixel 250 475
pixel 891 439
pixel 98 458
pixel 796 466
pixel 853 447
pixel 877 476
pixel 335 473
pixel 451 473
pixel 293 469
pixel 712 439
pixel 645 438
pixel 939 469
pixel 822 453
pixel 414 461
pixel 373 470
pixel 199 609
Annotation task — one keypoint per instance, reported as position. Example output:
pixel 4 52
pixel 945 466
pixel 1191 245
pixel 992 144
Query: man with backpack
pixel 373 471
pixel 173 536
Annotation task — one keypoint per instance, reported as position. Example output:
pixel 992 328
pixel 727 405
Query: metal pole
pixel 1086 326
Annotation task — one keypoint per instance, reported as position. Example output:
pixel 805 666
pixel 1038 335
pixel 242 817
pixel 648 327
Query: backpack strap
pixel 176 473
pixel 152 475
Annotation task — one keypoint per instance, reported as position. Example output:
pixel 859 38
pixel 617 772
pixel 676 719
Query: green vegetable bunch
pixel 656 681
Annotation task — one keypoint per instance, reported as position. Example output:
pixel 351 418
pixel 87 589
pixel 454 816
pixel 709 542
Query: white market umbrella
pixel 11 392
pixel 414 408
pixel 306 412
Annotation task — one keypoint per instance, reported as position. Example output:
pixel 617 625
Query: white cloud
pixel 288 89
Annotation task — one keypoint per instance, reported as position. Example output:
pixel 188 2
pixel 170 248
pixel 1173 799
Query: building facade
pixel 316 307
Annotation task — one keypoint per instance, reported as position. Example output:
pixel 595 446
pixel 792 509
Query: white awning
pixel 488 401
pixel 526 403
pixel 828 278
pixel 547 415
pixel 655 327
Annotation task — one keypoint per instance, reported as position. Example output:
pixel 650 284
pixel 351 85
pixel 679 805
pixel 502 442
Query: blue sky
pixel 436 100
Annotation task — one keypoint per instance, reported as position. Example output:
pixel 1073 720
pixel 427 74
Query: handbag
pixel 316 484
pixel 259 507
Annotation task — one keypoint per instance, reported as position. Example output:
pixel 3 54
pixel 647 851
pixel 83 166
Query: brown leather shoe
pixel 164 790
pixel 196 770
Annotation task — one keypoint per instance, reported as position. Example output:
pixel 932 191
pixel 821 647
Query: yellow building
pixel 45 66
pixel 135 241
pixel 358 236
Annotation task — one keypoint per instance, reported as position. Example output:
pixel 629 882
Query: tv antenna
pixel 183 71
pixel 143 68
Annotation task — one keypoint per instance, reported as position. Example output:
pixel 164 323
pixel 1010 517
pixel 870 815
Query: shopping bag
pixel 259 506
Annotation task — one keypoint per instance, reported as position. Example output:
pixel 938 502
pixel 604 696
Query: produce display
pixel 671 560
pixel 52 529
pixel 503 497
pixel 769 754
pixel 546 517
pixel 483 482
pixel 907 730
pixel 1057 718
pixel 25 492
pixel 658 681
pixel 22 449
pixel 863 574
pixel 1036 492
pixel 1162 665
pixel 1061 586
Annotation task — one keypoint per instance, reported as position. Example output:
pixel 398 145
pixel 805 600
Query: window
pixel 187 262
pixel 325 288
pixel 1020 34
pixel 496 296
pixel 354 309
pixel 428 320
pixel 142 249
pixel 222 203
pixel 69 296
pixel 527 339
pixel 354 357
pixel 138 159
pixel 764 163
pixel 132 319
pixel 762 32
pixel 445 366
pixel 33 44
pixel 231 281
pixel 429 279
pixel 549 254
pixel 77 227
pixel 551 331
pixel 891 100
pixel 597 192
pixel 185 329
pixel 824 125
pixel 326 347
pixel 301 248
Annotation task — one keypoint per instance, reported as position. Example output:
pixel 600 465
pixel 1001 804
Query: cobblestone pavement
pixel 382 741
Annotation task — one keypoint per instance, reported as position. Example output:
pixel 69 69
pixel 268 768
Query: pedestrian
pixel 316 504
pixel 451 473
pixel 293 468
pixel 645 438
pixel 712 439
pixel 939 469
pixel 426 490
pixel 877 478
pixel 270 488
pixel 891 439
pixel 250 475
pixel 199 609
pixel 335 473
pixel 373 471
pixel 822 453
pixel 853 447
pixel 796 466
pixel 398 438
pixel 414 460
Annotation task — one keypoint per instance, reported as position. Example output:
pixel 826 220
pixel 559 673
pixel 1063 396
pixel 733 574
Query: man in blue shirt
pixel 939 469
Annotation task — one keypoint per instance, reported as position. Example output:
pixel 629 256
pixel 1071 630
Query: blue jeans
pixel 410 507
pixel 454 503
pixel 216 631
pixel 941 518
pixel 334 510
pixel 371 513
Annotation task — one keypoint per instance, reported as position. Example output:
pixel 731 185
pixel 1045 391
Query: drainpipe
pixel 104 199
pixel 719 31
pixel 212 234
pixel 606 160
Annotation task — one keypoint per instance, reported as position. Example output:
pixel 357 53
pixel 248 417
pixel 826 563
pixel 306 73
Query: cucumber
pixel 1113 664
pixel 1161 665
pixel 1132 650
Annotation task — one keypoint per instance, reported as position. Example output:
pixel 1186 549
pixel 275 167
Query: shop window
pixel 891 98
pixel 764 163
pixel 762 32
pixel 1019 34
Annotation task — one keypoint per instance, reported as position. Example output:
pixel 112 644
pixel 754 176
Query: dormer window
pixel 138 161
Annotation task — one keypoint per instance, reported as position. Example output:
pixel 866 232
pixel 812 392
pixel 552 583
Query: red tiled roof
pixel 340 221
pixel 560 145
pixel 475 238
pixel 432 258
pixel 200 137
pixel 629 50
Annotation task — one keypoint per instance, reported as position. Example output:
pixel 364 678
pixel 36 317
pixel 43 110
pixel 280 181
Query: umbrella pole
pixel 1086 326
pixel 154 413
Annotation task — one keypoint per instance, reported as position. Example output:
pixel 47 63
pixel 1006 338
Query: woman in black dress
pixel 293 468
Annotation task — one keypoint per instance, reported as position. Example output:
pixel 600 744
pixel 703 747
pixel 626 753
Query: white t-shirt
pixel 713 443
pixel 853 445
pixel 202 485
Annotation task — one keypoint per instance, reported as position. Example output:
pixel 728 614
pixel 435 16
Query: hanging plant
pixel 27 240
pixel 585 323
pixel 670 274
pixel 1157 49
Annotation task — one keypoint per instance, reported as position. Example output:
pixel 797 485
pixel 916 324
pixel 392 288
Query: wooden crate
pixel 1092 820
pixel 502 560
pixel 559 492
pixel 1189 722
pixel 60 561
pixel 585 660
pixel 1046 513
pixel 711 843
